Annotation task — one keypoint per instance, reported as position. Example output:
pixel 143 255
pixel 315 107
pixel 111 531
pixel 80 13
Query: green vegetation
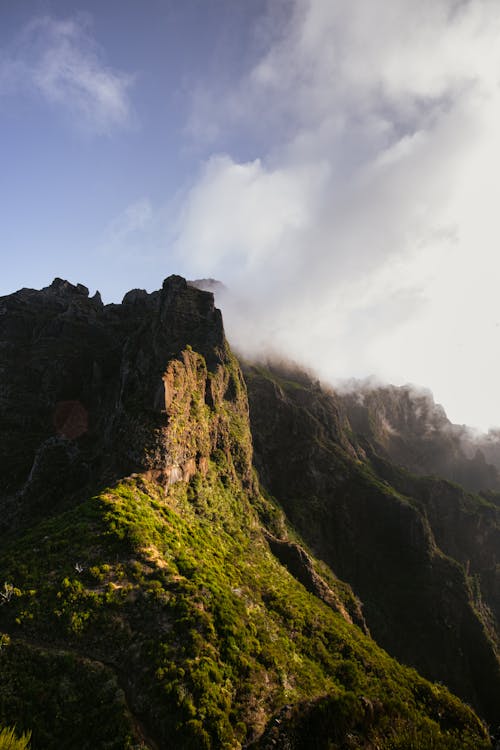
pixel 10 741
pixel 147 616
pixel 182 593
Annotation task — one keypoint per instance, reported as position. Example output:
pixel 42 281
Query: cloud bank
pixel 363 236
pixel 60 62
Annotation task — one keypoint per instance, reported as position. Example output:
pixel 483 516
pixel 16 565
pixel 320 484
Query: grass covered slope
pixel 181 629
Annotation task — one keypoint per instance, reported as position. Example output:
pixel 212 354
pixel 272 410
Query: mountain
pixel 405 426
pixel 420 552
pixel 156 592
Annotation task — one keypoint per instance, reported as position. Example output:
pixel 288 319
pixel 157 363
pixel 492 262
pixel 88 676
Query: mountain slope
pixel 422 554
pixel 152 595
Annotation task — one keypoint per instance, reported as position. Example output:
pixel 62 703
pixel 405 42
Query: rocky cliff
pixel 152 592
pixel 86 387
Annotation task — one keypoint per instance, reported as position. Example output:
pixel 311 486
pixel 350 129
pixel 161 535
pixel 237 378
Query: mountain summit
pixel 196 555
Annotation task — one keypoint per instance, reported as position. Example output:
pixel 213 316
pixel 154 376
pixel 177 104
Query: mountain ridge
pixel 148 572
pixel 408 428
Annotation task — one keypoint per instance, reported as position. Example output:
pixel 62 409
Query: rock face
pixel 421 554
pixel 153 595
pixel 86 389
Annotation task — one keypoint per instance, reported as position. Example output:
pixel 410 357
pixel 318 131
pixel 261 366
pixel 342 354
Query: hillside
pixel 420 552
pixel 154 594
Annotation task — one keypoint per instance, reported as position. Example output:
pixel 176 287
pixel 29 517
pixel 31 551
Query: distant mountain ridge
pixel 407 427
pixel 194 555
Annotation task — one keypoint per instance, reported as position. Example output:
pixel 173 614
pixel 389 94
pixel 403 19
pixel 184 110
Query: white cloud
pixel 243 217
pixel 365 238
pixel 61 62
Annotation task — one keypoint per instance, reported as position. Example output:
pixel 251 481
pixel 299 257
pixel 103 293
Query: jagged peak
pixel 134 296
pixel 62 287
pixel 174 281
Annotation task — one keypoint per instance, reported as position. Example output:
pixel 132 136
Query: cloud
pixel 127 232
pixel 61 62
pixel 363 238
pixel 243 217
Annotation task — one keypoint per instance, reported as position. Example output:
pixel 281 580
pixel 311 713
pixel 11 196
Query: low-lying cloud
pixel 362 238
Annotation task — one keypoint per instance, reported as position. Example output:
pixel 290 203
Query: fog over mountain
pixel 360 234
pixel 333 163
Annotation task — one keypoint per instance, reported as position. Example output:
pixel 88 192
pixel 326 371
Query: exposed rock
pixel 135 296
pixel 98 377
pixel 60 287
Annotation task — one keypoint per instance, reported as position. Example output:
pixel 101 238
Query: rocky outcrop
pixel 87 391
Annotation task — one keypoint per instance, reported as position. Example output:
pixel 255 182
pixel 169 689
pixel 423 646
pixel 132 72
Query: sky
pixel 336 164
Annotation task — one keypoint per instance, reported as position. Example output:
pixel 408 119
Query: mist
pixel 361 238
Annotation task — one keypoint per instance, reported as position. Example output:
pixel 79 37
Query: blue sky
pixel 77 169
pixel 334 163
